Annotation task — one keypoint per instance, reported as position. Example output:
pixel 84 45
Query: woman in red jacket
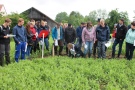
pixel 34 37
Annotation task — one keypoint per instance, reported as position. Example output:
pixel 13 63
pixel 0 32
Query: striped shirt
pixel 130 36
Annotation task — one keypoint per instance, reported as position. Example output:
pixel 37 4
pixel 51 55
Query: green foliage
pixel 75 18
pixel 92 17
pixel 14 17
pixel 62 17
pixel 114 17
pixel 63 73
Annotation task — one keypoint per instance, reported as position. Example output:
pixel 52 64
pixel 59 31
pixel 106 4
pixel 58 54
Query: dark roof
pixel 32 8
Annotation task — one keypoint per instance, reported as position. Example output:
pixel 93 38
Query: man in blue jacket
pixel 20 40
pixel 57 34
pixel 79 34
pixel 103 35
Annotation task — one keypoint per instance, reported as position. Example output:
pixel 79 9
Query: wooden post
pixel 43 47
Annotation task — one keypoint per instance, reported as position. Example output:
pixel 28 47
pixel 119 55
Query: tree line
pixel 75 17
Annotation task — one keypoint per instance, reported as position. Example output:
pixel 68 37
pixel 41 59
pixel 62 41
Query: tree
pixel 61 17
pixel 75 18
pixel 14 17
pixel 92 17
pixel 124 15
pixel 114 17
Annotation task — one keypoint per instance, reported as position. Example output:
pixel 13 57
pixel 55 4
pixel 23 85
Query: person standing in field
pixel 79 34
pixel 114 33
pixel 57 34
pixel 88 38
pixel 130 42
pixel 120 36
pixel 95 44
pixel 20 40
pixel 29 39
pixel 5 42
pixel 70 36
pixel 44 26
pixel 33 29
pixel 103 36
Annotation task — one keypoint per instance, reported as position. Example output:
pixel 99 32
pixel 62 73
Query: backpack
pixel 1 28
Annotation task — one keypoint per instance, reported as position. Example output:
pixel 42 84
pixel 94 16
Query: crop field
pixel 65 73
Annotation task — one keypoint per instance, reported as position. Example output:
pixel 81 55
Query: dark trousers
pixel 117 41
pixel 129 51
pixel 60 43
pixel 79 42
pixel 4 50
pixel 35 47
pixel 95 48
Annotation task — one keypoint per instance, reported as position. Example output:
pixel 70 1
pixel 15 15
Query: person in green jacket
pixel 130 42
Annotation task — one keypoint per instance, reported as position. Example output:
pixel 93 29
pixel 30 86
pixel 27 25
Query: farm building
pixel 37 15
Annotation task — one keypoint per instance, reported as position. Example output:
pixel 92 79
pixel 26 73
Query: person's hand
pixel 83 43
pixel 5 36
pixel 120 39
pixel 18 42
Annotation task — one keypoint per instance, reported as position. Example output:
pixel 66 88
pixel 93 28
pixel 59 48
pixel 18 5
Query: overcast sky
pixel 52 7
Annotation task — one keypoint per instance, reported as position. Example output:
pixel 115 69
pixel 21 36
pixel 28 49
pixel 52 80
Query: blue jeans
pixel 89 47
pixel 101 49
pixel 28 50
pixel 117 41
pixel 46 43
pixel 20 48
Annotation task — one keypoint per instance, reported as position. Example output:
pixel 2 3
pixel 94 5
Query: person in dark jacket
pixel 121 30
pixel 103 36
pixel 57 34
pixel 79 34
pixel 20 39
pixel 5 42
pixel 46 39
pixel 70 36
pixel 29 39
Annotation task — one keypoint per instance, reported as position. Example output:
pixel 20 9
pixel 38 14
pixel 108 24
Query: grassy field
pixel 65 73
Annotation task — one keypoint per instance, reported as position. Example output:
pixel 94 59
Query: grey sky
pixel 52 7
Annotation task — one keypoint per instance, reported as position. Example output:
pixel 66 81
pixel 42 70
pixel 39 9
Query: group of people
pixel 92 37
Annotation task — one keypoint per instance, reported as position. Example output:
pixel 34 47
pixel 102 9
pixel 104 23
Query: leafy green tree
pixel 114 17
pixel 14 17
pixel 62 17
pixel 92 17
pixel 75 18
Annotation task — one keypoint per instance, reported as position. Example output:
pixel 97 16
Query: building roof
pixel 32 8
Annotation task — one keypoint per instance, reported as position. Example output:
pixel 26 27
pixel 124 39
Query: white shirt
pixel 58 33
